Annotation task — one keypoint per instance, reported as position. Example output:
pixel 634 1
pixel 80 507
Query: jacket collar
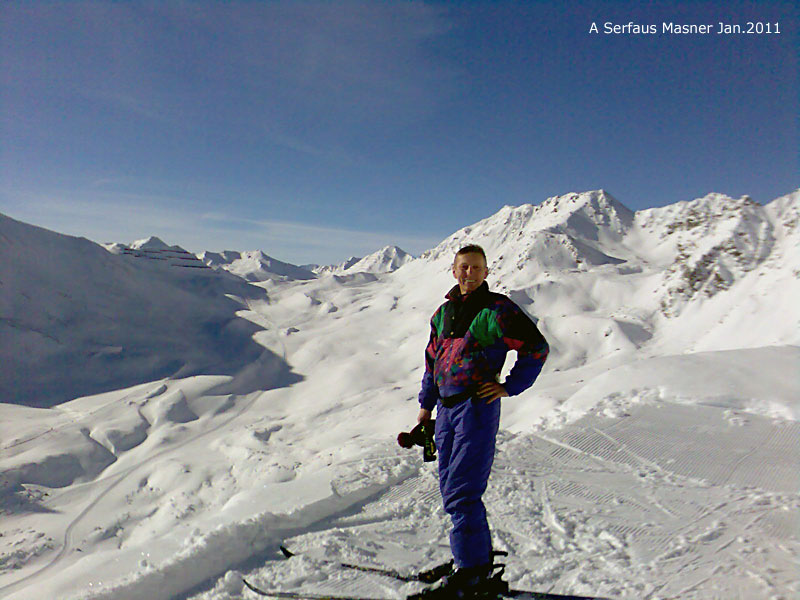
pixel 455 293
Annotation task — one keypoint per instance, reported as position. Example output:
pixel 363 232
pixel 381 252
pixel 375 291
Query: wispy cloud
pixel 313 77
pixel 318 239
pixel 128 217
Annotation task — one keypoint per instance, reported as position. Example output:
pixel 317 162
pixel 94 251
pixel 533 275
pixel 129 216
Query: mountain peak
pixel 213 259
pixel 153 243
pixel 385 260
pixel 392 251
pixel 586 212
pixel 563 232
pixel 336 269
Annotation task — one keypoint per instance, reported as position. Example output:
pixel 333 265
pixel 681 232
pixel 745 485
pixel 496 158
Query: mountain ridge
pixel 254 266
pixel 712 270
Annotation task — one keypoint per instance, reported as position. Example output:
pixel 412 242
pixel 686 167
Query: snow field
pixel 595 507
pixel 585 509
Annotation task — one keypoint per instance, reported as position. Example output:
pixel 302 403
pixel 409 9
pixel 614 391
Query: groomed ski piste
pixel 655 458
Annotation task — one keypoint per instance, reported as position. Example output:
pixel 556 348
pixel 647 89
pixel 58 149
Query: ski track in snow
pixel 603 505
pixel 603 521
pixel 575 535
pixel 106 488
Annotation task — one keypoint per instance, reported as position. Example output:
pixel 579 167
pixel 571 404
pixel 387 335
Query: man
pixel 471 334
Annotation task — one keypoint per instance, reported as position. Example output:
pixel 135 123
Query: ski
pixel 429 576
pixel 302 595
pixel 531 595
pixel 520 594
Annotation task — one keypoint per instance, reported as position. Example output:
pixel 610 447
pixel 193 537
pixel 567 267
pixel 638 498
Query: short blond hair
pixel 471 249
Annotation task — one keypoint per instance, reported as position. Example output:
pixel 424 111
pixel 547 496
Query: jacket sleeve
pixel 429 393
pixel 521 334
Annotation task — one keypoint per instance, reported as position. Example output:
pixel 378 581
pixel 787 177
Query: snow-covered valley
pixel 214 419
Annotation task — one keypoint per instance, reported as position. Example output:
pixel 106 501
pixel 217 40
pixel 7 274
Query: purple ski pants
pixel 465 439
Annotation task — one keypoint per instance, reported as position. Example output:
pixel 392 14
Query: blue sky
pixel 320 130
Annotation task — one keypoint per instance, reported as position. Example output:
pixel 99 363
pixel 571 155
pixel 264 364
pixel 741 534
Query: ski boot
pixel 476 583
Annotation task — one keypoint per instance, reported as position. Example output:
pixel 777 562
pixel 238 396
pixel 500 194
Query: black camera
pixel 421 435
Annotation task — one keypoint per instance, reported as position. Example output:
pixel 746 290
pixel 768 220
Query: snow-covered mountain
pixel 154 248
pixel 574 231
pixel 255 266
pixel 385 260
pixel 335 269
pixel 705 274
pixel 654 457
pixel 155 244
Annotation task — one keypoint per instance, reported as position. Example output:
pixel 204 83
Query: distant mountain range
pixel 255 266
pixel 711 273
pixel 385 260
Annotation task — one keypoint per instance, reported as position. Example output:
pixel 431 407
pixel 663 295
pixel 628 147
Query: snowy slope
pixel 655 457
pixel 729 270
pixel 77 319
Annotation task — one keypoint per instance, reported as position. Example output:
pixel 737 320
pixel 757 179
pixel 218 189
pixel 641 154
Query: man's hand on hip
pixel 491 391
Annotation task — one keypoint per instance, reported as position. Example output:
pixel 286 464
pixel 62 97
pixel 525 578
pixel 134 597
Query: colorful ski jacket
pixel 470 337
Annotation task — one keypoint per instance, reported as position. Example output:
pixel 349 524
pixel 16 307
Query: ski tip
pixel 252 587
pixel 286 552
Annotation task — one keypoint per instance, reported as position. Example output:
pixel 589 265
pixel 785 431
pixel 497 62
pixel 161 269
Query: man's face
pixel 470 271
